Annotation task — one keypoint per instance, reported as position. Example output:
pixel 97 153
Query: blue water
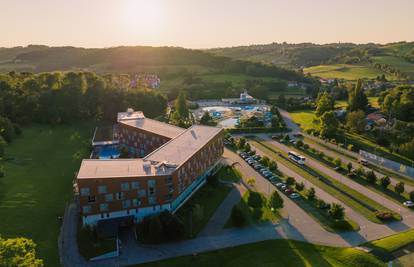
pixel 108 153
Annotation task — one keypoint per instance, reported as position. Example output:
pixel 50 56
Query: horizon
pixel 204 24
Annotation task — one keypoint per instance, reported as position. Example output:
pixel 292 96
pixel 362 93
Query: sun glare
pixel 145 17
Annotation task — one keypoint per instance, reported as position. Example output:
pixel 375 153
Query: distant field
pixel 397 62
pixel 373 100
pixel 345 71
pixel 235 79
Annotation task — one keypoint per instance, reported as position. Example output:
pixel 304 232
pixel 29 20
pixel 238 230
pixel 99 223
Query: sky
pixel 203 23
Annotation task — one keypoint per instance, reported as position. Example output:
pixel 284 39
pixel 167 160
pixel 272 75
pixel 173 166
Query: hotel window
pixel 104 207
pixel 126 204
pixel 152 200
pixel 135 185
pixel 120 195
pixel 102 189
pixel 142 193
pixel 109 197
pixel 125 186
pixel 85 191
pixel 91 199
pixel 86 209
pixel 136 202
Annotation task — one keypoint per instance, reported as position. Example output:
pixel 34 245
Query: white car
pixel 294 195
pixel 408 203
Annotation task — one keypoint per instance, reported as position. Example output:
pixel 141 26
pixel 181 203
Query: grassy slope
pixel 38 184
pixel 276 253
pixel 396 62
pixel 304 118
pixel 345 71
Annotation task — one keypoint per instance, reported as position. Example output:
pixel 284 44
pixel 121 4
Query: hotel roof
pixel 179 149
pixel 162 161
pixel 138 120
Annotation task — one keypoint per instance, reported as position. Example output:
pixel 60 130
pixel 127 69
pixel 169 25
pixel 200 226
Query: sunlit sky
pixel 203 23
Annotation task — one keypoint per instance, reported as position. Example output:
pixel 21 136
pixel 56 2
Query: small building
pixel 244 98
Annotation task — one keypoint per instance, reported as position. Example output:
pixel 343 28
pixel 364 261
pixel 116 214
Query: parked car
pixel 257 166
pixel 298 135
pixel 338 168
pixel 283 187
pixel 408 203
pixel 288 191
pixel 280 184
pixel 256 157
pixel 294 195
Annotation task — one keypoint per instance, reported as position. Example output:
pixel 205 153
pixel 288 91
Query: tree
pixel 206 119
pixel 371 177
pixel 265 161
pixel 324 103
pixel 357 100
pixel 275 201
pixel 290 180
pixel 18 252
pixel 6 129
pixel 247 147
pixel 237 216
pixel 311 194
pixel 328 124
pixel 385 181
pixel 300 186
pixel 251 181
pixel 124 153
pixel 255 200
pixel 273 165
pixel 349 167
pixel 399 188
pixel 181 107
pixel 338 162
pixel 241 142
pixel 355 121
pixel 336 211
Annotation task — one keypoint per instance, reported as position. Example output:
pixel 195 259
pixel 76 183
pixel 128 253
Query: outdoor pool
pixel 109 153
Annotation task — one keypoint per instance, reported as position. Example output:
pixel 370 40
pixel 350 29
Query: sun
pixel 143 16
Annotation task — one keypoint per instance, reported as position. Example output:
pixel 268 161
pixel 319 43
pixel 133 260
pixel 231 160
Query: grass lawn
pixel 263 215
pixel 392 243
pixel 209 198
pixel 229 175
pixel 304 118
pixel 38 183
pixel 276 253
pixel 346 71
pixel 352 198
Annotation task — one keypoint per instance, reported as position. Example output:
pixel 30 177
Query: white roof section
pixel 114 168
pixel 179 149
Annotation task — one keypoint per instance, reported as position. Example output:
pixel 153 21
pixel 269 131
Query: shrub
pixel 237 216
pixel 311 194
pixel 124 153
pixel 265 161
pixel 321 204
pixel 337 162
pixel 371 177
pixel 299 143
pixel 241 142
pixel 385 182
pixel 212 180
pixel 290 180
pixel 275 200
pixel 336 211
pixel 255 200
pixel 273 165
pixel 300 186
pixel 247 147
pixel 306 146
pixel 350 147
pixel 412 195
pixel 384 215
pixel 399 188
pixel 349 166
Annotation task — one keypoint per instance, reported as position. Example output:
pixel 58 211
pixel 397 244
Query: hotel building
pixel 173 163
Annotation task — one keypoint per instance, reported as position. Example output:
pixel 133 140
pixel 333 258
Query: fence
pixel 395 166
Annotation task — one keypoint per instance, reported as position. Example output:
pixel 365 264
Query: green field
pixel 304 118
pixel 396 62
pixel 38 183
pixel 287 253
pixel 373 100
pixel 345 71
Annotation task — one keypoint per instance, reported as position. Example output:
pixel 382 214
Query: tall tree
pixel 328 124
pixel 324 103
pixel 181 106
pixel 357 100
pixel 355 121
pixel 18 252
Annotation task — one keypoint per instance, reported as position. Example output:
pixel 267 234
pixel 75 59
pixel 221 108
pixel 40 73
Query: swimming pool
pixel 109 153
